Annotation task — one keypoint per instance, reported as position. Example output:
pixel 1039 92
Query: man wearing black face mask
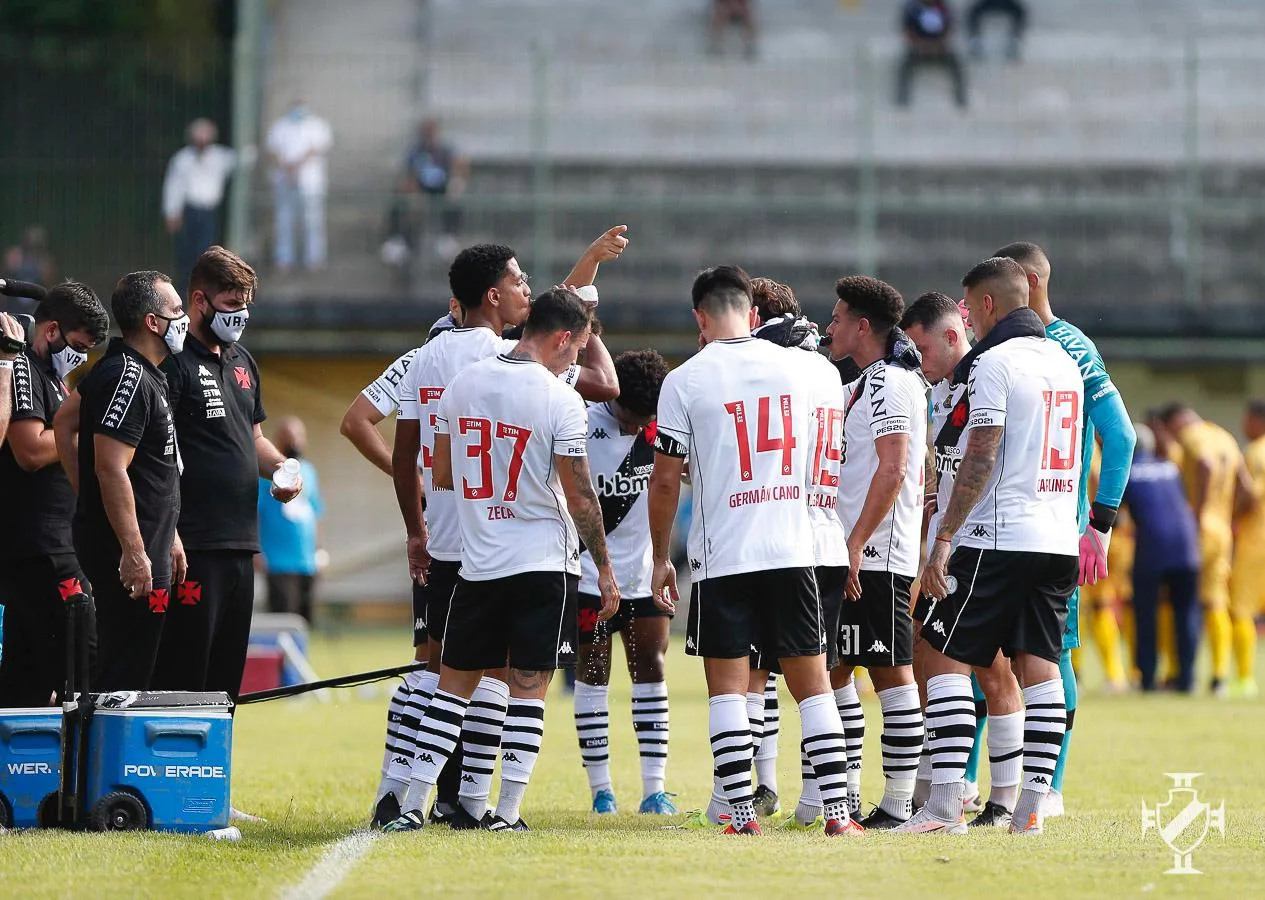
pixel 38 569
pixel 126 468
pixel 215 396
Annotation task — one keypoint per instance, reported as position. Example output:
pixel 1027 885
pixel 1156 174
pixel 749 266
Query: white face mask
pixel 228 326
pixel 66 360
pixel 176 331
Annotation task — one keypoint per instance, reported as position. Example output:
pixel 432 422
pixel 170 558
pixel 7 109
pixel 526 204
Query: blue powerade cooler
pixel 30 762
pixel 159 760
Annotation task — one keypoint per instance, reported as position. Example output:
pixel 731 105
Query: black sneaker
pixel 461 820
pixel 765 801
pixel 994 815
pixel 413 820
pixel 496 823
pixel 880 819
pixel 441 814
pixel 387 810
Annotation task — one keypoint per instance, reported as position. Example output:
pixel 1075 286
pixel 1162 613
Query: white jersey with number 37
pixel 506 420
pixel 742 411
pixel 1032 389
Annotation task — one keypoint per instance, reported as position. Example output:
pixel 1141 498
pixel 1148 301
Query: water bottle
pixel 286 478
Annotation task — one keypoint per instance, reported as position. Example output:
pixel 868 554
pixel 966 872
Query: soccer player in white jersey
pixel 880 502
pixel 621 456
pixel 511 445
pixel 742 410
pixel 1013 512
pixel 935 324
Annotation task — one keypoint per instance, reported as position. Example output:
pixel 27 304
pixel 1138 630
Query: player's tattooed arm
pixel 973 474
pixel 585 510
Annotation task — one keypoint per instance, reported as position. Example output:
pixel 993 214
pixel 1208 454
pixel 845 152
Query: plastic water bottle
pixel 286 478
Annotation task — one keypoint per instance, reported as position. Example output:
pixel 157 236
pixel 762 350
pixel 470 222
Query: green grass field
pixel 310 769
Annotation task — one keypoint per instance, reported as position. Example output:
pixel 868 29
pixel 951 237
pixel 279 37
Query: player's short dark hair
pixel 136 296
pixel 1171 410
pixel 218 270
pixel 75 307
pixel 556 310
pixel 476 270
pixel 640 374
pixel 772 299
pixel 1256 408
pixel 1023 252
pixel 995 267
pixel 722 289
pixel 872 299
pixel 929 309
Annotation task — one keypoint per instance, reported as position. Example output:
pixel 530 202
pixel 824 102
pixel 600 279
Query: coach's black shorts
pixel 630 608
pixel 430 601
pixel 1006 600
pixel 876 630
pixel 775 610
pixel 831 580
pixel 529 619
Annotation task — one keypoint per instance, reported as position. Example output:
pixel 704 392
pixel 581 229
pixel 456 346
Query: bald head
pixel 995 288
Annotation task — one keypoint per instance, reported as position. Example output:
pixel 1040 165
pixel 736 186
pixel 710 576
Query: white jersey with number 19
pixel 506 420
pixel 1032 389
pixel 742 411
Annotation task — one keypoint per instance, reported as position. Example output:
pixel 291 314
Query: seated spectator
pixel 928 29
pixel 732 12
pixel 289 533
pixel 435 168
pixel 1014 10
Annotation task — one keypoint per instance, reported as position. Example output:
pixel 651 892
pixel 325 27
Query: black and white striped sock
pixel 766 749
pixel 520 747
pixel 481 743
pixel 850 713
pixel 1044 724
pixel 592 729
pixel 823 744
pixel 902 745
pixel 437 736
pixel 950 735
pixel 650 723
pixel 414 708
pixel 730 731
pixel 397 719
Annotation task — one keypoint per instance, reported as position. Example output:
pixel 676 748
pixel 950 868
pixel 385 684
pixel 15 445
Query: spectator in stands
pixel 1014 10
pixel 28 260
pixel 289 533
pixel 193 192
pixel 732 12
pixel 928 30
pixel 437 170
pixel 299 144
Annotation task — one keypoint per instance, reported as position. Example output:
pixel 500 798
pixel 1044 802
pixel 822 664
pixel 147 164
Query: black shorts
pixel 528 619
pixel 1006 600
pixel 431 600
pixel 831 581
pixel 876 630
pixel 775 610
pixel 922 609
pixel 629 608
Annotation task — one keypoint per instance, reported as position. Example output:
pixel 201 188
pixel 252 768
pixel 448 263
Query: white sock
pixel 730 731
pixel 951 733
pixel 1005 758
pixel 520 747
pixel 400 767
pixel 809 806
pixel 481 743
pixel 849 706
pixel 718 805
pixel 650 723
pixel 592 727
pixel 395 745
pixel 766 749
pixel 823 744
pixel 902 745
pixel 437 736
pixel 922 788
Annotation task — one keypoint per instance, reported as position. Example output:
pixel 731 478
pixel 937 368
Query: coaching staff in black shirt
pixel 128 481
pixel 38 569
pixel 213 385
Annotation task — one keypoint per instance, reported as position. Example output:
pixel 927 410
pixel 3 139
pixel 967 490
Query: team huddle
pixel 917 509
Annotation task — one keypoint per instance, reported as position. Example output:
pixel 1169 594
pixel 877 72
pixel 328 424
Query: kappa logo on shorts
pixel 565 648
pixel 979 531
pixel 878 647
pixel 689 644
pixel 419 624
pixel 938 627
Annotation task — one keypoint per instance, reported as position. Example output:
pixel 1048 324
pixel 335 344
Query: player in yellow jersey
pixel 1213 474
pixel 1247 577
pixel 1101 602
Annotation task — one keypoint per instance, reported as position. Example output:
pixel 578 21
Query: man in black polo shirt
pixel 38 569
pixel 128 480
pixel 213 385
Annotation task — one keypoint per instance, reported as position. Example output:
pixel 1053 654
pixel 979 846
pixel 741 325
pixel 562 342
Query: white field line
pixel 335 863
